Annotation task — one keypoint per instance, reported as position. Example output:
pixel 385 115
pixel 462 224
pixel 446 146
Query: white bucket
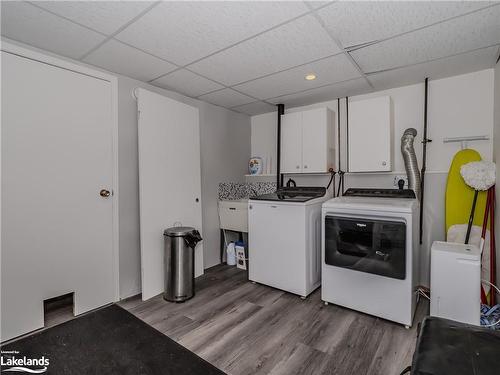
pixel 231 254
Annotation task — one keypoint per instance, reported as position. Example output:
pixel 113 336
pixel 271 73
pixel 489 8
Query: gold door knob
pixel 104 193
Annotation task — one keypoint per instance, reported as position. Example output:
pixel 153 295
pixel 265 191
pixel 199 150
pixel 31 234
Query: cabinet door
pixel 291 143
pixel 370 135
pixel 315 145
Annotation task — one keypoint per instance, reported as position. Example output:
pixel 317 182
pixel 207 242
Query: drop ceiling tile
pixel 226 98
pixel 289 45
pixel 28 24
pixel 330 70
pixel 317 4
pixel 321 94
pixel 357 22
pixel 449 66
pixel 120 58
pixel 480 29
pixel 182 32
pixel 255 108
pixel 104 16
pixel 187 83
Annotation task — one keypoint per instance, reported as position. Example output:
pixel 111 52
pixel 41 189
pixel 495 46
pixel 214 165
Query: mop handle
pixel 484 298
pixel 471 217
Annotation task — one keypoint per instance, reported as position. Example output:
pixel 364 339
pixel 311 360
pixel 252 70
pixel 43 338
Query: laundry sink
pixel 233 215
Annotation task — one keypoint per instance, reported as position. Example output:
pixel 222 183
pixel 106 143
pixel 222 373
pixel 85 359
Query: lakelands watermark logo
pixel 12 361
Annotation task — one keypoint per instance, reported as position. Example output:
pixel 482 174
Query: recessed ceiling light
pixel 310 77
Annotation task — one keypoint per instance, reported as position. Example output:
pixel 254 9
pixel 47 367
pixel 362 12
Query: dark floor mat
pixel 108 341
pixel 448 347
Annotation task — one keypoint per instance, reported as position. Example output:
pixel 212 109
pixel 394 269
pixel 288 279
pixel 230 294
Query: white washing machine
pixel 370 259
pixel 284 239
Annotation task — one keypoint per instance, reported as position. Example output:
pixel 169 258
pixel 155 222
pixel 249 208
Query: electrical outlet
pixel 400 177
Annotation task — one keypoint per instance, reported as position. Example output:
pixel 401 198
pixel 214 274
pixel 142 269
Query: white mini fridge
pixel 456 282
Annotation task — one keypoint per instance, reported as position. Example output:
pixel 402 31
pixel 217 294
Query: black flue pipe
pixel 279 180
pixel 347 132
pixel 425 140
pixel 338 132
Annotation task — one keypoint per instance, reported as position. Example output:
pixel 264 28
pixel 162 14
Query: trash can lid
pixel 178 231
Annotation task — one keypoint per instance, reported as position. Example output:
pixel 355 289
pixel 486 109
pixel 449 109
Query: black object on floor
pixel 448 347
pixel 108 341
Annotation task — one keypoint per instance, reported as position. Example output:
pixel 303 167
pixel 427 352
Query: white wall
pixel 458 106
pixel 496 158
pixel 225 149
pixel 263 138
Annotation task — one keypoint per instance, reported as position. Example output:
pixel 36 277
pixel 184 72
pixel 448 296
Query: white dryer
pixel 370 259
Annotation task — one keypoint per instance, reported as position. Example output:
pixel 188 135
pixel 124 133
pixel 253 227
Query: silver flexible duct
pixel 410 159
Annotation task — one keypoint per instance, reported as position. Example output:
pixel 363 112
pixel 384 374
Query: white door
pixel 169 180
pixel 315 145
pixel 57 155
pixel 291 143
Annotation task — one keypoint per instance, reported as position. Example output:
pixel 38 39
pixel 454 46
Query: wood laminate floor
pixel 245 328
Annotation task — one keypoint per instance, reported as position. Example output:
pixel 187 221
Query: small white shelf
pixel 260 175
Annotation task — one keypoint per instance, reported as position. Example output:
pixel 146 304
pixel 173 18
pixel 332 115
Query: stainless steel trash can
pixel 179 263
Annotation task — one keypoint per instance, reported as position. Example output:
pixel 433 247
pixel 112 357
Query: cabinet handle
pixel 384 163
pixel 305 166
pixel 297 166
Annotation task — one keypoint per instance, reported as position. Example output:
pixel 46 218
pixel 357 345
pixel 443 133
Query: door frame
pixel 68 64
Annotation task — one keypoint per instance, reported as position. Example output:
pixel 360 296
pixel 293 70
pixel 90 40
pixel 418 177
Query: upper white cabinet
pixel 307 141
pixel 291 143
pixel 370 135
